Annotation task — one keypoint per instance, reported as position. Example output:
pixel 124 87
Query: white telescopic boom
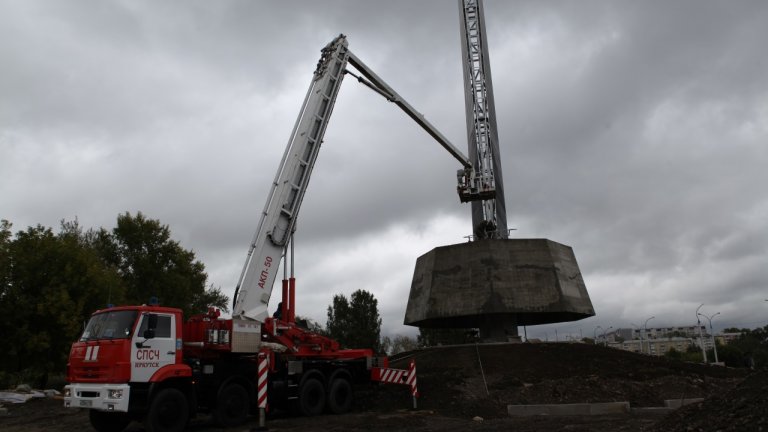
pixel 278 220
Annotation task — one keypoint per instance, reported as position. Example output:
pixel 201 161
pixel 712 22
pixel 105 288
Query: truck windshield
pixel 110 325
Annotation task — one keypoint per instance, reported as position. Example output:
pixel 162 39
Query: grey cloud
pixel 633 132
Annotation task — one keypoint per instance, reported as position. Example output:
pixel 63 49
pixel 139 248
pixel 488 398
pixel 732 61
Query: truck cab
pixel 121 353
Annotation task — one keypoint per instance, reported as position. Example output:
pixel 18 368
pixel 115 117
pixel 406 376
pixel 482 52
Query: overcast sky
pixel 634 132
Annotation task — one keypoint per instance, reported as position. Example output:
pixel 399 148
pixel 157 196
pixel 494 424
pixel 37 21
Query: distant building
pixel 657 347
pixel 662 332
pixel 658 340
pixel 726 338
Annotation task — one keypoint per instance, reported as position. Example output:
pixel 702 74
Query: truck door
pixel 149 354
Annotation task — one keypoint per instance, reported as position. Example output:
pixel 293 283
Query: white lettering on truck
pixel 147 354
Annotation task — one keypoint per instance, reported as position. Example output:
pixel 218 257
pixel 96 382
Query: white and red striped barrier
pixel 262 381
pixel 411 380
pixel 398 376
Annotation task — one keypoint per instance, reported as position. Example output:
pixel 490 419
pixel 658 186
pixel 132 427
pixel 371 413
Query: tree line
pixel 748 350
pixel 50 283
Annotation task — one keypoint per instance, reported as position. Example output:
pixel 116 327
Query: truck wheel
pixel 168 412
pixel 104 421
pixel 340 396
pixel 232 406
pixel 312 397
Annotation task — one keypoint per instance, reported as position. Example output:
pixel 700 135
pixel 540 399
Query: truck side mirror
pixel 149 332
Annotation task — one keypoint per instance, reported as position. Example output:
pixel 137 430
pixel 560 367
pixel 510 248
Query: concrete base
pixel 659 411
pixel 497 285
pixel 677 403
pixel 583 409
pixel 579 409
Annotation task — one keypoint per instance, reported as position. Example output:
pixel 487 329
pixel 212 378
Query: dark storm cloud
pixel 633 131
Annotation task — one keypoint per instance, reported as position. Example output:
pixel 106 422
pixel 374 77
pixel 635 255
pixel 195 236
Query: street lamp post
pixel 712 333
pixel 640 332
pixel 645 328
pixel 605 341
pixel 701 336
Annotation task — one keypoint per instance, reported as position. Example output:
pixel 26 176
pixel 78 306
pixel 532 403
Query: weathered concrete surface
pixel 659 411
pixel 677 403
pixel 497 283
pixel 578 409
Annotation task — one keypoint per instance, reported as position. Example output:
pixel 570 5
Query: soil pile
pixel 468 388
pixel 481 380
pixel 743 408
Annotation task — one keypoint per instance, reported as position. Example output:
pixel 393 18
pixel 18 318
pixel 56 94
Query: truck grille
pixel 90 373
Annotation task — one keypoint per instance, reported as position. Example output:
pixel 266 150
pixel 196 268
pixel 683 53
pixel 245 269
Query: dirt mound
pixel 454 393
pixel 483 379
pixel 743 408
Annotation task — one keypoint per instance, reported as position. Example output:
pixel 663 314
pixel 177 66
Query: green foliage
pixel 749 350
pixel 5 257
pixel 338 316
pixel 401 343
pixel 51 283
pixel 153 265
pixel 689 355
pixel 673 354
pixel 355 323
pixel 736 330
pixel 732 355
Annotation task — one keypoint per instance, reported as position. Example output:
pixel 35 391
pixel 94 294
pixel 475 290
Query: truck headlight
pixel 116 394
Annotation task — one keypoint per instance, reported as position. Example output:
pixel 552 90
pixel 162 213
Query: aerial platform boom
pixel 278 220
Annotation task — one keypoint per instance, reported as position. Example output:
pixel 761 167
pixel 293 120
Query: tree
pixel 153 265
pixel 5 260
pixel 337 325
pixel 673 354
pixel 52 284
pixel 750 349
pixel 402 343
pixel 355 323
pixel 386 345
pixel 7 323
pixel 732 355
pixel 736 330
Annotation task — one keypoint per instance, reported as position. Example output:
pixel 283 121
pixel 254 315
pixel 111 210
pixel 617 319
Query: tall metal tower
pixel 489 217
pixel 498 284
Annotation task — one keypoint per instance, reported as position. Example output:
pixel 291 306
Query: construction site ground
pixel 468 388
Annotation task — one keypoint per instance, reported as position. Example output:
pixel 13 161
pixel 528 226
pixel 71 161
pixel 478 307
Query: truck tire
pixel 232 406
pixel 340 396
pixel 168 412
pixel 312 397
pixel 105 421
